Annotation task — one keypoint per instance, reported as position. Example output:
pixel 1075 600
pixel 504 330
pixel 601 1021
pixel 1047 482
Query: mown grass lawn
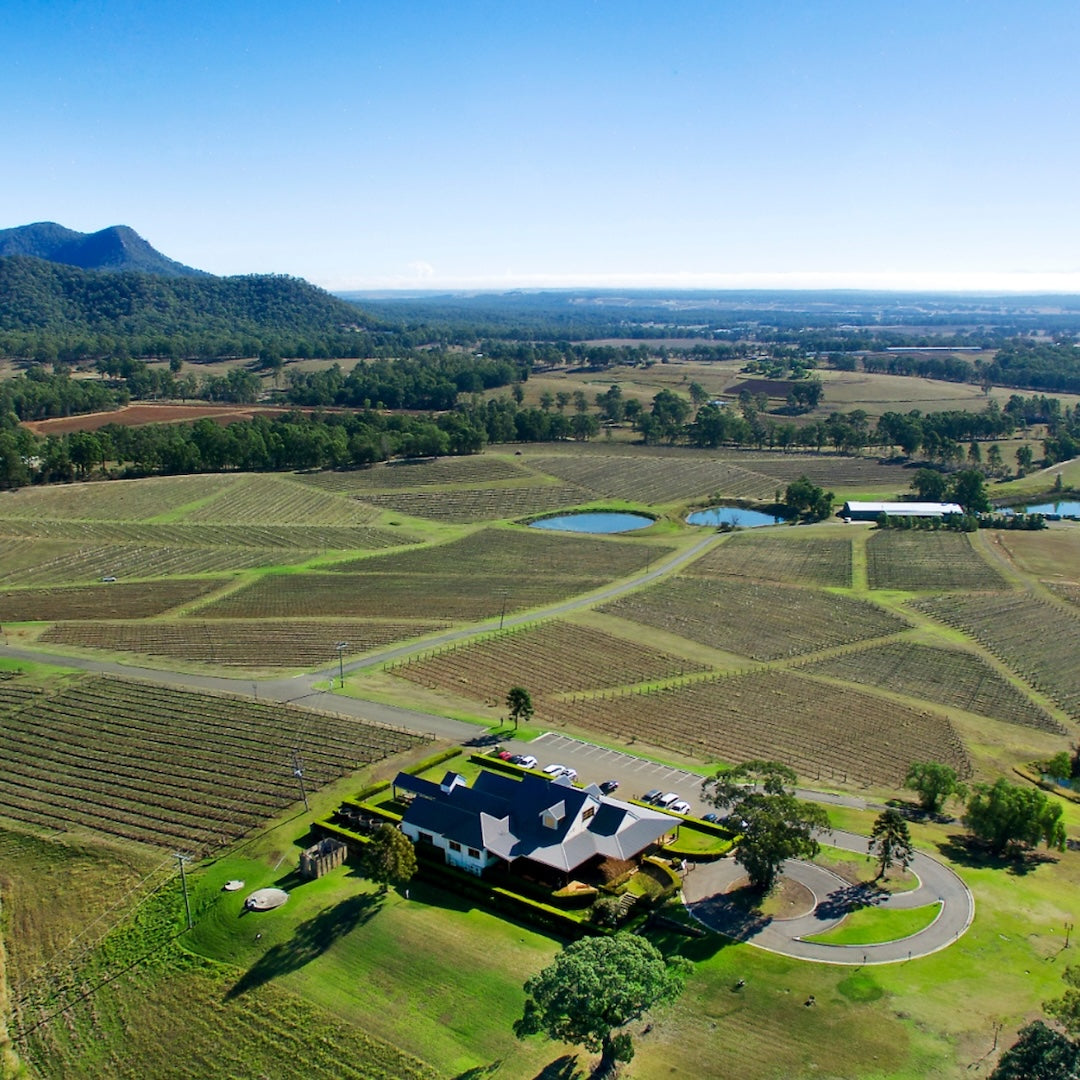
pixel 431 974
pixel 871 925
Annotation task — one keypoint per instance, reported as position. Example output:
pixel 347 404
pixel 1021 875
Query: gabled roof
pixel 506 815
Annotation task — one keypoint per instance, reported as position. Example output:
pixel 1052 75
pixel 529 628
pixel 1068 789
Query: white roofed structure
pixel 871 511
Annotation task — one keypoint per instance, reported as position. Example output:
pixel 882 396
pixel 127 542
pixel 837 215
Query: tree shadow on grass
pixel 848 899
pixel 311 939
pixel 966 851
pixel 562 1068
pixel 734 914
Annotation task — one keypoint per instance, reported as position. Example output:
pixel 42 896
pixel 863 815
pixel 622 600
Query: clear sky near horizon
pixel 379 144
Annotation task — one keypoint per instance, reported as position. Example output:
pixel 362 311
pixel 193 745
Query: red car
pixel 505 755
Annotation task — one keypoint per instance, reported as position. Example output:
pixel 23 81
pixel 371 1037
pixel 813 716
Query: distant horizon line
pixel 987 282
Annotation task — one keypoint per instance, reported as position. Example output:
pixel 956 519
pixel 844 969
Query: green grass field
pixel 870 925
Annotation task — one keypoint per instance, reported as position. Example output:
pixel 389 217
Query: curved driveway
pixel 705 885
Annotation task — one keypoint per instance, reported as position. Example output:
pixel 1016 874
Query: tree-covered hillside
pixel 47 308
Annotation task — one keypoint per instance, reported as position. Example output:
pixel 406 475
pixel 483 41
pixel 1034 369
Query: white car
pixel 680 807
pixel 570 774
pixel 666 800
pixel 554 770
pixel 527 762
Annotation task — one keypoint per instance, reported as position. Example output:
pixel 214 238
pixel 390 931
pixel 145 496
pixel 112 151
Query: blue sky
pixel 406 143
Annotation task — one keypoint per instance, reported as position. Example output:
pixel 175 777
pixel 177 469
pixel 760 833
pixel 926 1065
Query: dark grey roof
pixel 505 815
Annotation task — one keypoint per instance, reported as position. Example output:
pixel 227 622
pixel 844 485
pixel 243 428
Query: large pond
pixel 1069 508
pixel 604 522
pixel 733 516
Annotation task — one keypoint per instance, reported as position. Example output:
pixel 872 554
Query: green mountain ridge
pixel 117 248
pixel 42 296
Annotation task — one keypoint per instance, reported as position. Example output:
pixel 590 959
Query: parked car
pixel 652 795
pixel 608 786
pixel 507 755
pixel 554 770
pixel 526 761
pixel 680 807
pixel 570 774
pixel 667 799
pixel 712 819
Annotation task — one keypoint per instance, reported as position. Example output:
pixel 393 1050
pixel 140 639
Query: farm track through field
pixel 947 677
pixel 114 600
pixel 249 644
pixel 1036 638
pixel 285 537
pixel 472 471
pixel 274 499
pixel 762 621
pixel 785 559
pixel 551 658
pixel 817 728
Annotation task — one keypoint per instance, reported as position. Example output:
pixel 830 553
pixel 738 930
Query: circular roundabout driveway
pixel 705 886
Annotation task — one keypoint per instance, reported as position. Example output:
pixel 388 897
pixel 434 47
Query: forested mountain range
pixel 115 248
pixel 49 310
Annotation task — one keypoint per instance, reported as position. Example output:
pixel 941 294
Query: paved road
pixel 704 887
pixel 301 689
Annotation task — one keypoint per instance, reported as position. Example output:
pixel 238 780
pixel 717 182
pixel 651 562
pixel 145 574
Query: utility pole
pixel 502 610
pixel 341 646
pixel 183 860
pixel 299 774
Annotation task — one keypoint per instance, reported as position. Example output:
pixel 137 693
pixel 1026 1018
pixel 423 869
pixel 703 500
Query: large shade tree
pixel 594 988
pixel 1005 815
pixel 934 782
pixel 774 824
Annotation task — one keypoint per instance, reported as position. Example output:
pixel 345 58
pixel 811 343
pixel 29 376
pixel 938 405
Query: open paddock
pixel 764 622
pixel 550 658
pixel 834 734
pixel 170 767
pixel 251 645
pixel 1052 553
pixel 792 558
pixel 106 600
pixel 1037 639
pixel 959 680
pixel 923 561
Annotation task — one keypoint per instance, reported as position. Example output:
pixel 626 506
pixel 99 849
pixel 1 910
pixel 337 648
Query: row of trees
pixel 1006 817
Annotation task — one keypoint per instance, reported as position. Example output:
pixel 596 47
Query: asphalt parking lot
pixel 636 775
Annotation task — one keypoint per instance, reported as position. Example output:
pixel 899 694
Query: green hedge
pixel 696 854
pixel 488 761
pixel 421 766
pixel 502 899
